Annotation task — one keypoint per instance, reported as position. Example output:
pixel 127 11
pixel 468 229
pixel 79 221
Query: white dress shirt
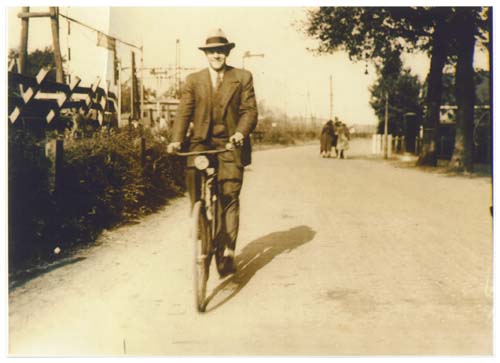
pixel 213 76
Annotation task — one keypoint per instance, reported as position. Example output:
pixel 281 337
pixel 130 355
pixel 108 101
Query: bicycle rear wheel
pixel 201 239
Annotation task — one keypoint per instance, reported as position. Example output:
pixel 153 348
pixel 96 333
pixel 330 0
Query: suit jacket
pixel 236 101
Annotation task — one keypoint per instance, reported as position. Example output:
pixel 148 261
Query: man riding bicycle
pixel 219 104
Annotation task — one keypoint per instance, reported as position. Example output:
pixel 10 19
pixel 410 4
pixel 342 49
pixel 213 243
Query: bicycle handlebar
pixel 229 147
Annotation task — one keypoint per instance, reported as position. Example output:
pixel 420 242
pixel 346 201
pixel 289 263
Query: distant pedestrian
pixel 336 125
pixel 343 138
pixel 326 139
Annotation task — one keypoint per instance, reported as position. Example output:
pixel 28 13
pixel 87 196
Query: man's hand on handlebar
pixel 237 139
pixel 173 147
pixel 234 141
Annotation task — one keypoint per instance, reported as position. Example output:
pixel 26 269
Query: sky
pixel 287 77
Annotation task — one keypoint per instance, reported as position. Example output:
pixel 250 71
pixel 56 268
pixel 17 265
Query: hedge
pixel 104 185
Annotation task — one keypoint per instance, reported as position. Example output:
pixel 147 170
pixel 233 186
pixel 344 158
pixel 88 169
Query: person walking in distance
pixel 336 125
pixel 327 135
pixel 219 103
pixel 343 138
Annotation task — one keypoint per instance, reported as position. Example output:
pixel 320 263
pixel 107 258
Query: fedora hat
pixel 216 39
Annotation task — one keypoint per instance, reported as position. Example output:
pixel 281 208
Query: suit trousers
pixel 230 179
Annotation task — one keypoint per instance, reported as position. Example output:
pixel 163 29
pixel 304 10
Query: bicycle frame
pixel 205 208
pixel 208 196
pixel 209 186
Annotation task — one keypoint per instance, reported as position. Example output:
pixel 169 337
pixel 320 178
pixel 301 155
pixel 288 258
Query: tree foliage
pixel 38 59
pixel 375 33
pixel 403 90
pixel 370 33
pixel 481 85
pixel 465 29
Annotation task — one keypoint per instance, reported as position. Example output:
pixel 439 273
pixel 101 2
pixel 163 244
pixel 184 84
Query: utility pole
pixel 23 47
pixel 331 97
pixel 386 124
pixel 119 93
pixel 53 14
pixel 142 84
pixel 177 74
pixel 158 88
pixel 68 34
pixel 54 22
pixel 133 110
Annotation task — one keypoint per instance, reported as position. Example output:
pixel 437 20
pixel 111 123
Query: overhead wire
pixel 99 31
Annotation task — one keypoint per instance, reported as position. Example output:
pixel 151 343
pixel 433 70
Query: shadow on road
pixel 24 276
pixel 348 157
pixel 256 255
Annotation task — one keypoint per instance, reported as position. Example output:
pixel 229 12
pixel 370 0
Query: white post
pixel 374 144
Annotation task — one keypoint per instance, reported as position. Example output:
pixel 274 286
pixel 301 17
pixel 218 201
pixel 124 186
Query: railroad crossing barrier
pixel 38 102
pixel 38 97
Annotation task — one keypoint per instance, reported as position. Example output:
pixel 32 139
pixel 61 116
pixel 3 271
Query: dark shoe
pixel 226 266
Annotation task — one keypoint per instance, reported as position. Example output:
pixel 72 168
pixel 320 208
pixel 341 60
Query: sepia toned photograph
pixel 249 181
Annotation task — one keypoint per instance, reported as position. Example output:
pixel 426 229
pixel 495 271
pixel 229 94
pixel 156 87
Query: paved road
pixel 335 257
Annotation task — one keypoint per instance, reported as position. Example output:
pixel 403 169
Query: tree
pixel 37 60
pixel 373 33
pixel 481 86
pixel 465 29
pixel 403 90
pixel 489 44
pixel 364 33
pixel 438 52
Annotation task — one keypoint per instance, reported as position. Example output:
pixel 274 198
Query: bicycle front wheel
pixel 202 256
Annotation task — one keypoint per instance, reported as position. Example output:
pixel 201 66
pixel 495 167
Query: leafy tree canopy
pixel 403 90
pixel 370 33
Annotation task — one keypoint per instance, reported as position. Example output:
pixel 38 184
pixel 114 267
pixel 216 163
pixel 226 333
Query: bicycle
pixel 205 221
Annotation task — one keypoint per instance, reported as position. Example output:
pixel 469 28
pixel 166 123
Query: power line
pixel 98 31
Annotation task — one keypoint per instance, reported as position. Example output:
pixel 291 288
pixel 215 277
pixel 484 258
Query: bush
pixel 104 184
pixel 278 132
pixel 30 202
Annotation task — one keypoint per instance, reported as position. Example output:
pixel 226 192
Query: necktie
pixel 218 82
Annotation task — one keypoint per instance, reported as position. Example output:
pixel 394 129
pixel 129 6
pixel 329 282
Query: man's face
pixel 217 58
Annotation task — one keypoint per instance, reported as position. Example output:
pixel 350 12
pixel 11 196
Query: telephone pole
pixel 177 74
pixel 142 84
pixel 133 90
pixel 331 97
pixel 53 14
pixel 119 93
pixel 23 47
pixel 54 22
